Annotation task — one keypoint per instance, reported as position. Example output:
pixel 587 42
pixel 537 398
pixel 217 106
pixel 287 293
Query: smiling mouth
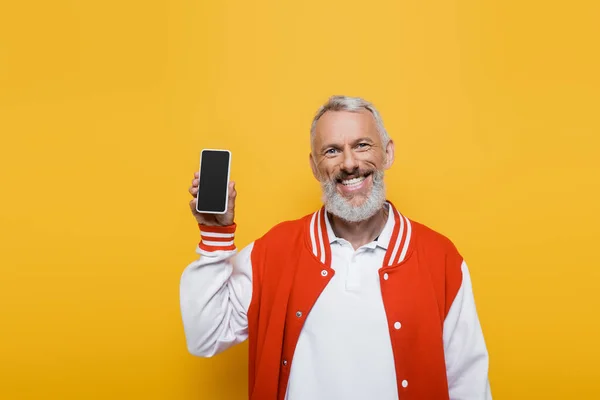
pixel 353 182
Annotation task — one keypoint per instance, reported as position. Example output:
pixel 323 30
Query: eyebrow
pixel 357 141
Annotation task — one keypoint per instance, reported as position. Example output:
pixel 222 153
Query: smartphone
pixel 213 190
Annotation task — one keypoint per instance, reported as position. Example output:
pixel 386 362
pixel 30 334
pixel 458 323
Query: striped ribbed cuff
pixel 217 237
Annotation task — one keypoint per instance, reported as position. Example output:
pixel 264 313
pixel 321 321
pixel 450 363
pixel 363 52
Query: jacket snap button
pixel 298 314
pixel 386 276
pixel 284 363
pixel 397 325
pixel 404 383
pixel 324 272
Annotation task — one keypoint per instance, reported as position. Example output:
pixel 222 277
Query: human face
pixel 347 152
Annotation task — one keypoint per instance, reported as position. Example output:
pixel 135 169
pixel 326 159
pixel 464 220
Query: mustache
pixel 342 175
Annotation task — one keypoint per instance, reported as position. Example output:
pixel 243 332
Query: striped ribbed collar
pixel 383 239
pixel 395 237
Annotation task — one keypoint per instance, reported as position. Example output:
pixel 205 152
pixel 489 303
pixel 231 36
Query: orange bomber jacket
pixel 291 265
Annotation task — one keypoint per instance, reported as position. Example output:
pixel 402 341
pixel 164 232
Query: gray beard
pixel 337 205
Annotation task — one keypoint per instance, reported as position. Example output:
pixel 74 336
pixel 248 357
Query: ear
pixel 313 166
pixel 389 154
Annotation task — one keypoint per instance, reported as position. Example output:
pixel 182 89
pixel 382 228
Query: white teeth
pixel 353 181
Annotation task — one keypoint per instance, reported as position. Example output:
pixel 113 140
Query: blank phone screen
pixel 214 174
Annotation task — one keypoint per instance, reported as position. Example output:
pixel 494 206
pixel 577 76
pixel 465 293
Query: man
pixel 354 301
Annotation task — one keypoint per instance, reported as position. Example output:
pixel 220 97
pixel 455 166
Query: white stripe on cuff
pixel 217 235
pixel 217 244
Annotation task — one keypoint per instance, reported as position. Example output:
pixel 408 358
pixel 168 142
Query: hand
pixel 213 219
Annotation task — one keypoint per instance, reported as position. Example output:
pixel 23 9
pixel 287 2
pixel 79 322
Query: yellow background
pixel 105 106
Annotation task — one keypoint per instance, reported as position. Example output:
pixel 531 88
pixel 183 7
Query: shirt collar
pixel 382 241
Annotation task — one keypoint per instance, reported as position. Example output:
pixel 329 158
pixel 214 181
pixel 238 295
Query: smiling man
pixel 353 301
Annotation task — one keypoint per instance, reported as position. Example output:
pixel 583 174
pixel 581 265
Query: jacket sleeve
pixel 215 293
pixel 467 361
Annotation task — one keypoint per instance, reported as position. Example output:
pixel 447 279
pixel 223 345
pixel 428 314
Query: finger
pixel 195 182
pixel 196 174
pixel 232 196
pixel 193 190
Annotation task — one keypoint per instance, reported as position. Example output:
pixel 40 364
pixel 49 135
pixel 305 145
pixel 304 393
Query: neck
pixel 360 233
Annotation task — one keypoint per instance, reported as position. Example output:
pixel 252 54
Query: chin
pixel 356 201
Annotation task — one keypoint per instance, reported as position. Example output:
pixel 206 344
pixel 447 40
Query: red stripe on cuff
pixel 218 229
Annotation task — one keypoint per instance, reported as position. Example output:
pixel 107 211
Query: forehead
pixel 345 125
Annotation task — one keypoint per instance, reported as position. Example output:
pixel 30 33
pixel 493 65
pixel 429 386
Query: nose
pixel 349 161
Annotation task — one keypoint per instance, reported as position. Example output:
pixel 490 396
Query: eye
pixel 330 152
pixel 363 146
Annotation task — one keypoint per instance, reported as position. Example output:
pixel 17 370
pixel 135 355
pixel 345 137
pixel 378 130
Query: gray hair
pixel 351 104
